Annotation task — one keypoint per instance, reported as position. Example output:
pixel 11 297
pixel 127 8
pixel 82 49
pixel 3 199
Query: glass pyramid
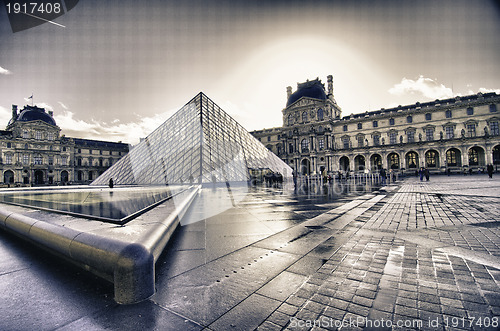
pixel 200 143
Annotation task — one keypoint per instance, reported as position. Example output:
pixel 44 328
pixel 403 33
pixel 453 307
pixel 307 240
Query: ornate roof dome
pixel 310 89
pixel 33 113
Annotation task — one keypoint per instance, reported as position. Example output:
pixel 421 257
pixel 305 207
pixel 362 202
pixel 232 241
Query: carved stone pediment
pixel 302 102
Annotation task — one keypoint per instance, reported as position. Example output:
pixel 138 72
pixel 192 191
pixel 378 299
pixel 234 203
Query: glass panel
pixel 199 142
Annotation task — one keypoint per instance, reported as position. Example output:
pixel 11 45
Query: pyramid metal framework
pixel 200 143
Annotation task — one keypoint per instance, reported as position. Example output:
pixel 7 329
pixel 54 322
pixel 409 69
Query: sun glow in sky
pixel 120 68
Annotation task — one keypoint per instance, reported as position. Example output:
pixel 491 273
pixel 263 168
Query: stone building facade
pixel 33 152
pixel 452 135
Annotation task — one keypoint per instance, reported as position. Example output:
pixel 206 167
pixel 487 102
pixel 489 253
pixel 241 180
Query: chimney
pixel 288 92
pixel 14 112
pixel 330 84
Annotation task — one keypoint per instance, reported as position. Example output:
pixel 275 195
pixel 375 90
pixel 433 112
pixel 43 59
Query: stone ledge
pixel 128 264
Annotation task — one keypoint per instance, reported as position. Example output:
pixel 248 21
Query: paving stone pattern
pixel 402 270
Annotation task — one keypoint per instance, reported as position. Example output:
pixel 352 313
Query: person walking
pixel 383 176
pixel 489 170
pixel 427 174
pixel 421 173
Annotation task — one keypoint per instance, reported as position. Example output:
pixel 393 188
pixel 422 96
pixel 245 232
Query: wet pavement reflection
pixel 224 219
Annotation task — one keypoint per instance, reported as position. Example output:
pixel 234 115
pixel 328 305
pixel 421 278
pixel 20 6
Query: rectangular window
pixel 393 138
pixel 64 160
pixel 361 140
pixel 410 135
pixel 26 134
pixel 26 158
pixel 494 129
pixel 471 130
pixel 448 113
pixel 376 140
pixel 51 160
pixel 345 128
pixel 38 135
pixel 429 134
pixel 38 159
pixel 375 124
pixel 470 111
pixel 428 116
pixel 321 144
pixel 8 159
pixel 449 132
pixel 493 108
pixel 345 142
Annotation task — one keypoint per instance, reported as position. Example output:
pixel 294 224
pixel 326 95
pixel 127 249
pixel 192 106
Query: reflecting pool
pixel 117 205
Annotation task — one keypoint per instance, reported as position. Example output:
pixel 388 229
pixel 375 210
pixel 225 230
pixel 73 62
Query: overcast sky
pixel 118 69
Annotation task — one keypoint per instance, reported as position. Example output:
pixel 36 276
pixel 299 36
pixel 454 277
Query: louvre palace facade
pixel 453 135
pixel 33 152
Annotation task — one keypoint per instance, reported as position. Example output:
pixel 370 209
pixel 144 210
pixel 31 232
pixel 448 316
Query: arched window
pixel 304 145
pixel 412 160
pixel 393 161
pixel 431 159
pixel 304 117
pixel 453 158
pixel 320 114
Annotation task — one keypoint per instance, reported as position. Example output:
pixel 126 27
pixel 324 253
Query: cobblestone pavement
pixel 411 256
pixel 424 257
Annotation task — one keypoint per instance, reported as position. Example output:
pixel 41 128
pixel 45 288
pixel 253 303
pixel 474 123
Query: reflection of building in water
pixel 442 135
pixel 32 151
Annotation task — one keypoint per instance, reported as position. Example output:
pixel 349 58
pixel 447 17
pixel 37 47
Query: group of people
pixel 383 176
pixel 424 172
pixel 272 178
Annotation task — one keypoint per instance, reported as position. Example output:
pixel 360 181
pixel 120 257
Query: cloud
pixel 5 115
pixel 5 71
pixel 488 90
pixel 62 105
pixel 426 87
pixel 129 132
